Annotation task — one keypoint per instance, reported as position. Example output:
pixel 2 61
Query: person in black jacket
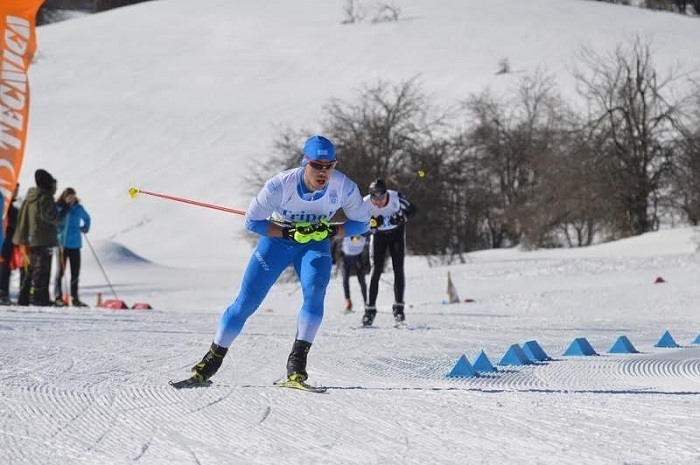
pixel 389 211
pixel 353 253
pixel 37 227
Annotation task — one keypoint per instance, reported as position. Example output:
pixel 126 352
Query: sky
pixel 182 100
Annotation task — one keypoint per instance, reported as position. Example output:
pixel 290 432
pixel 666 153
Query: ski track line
pixel 286 407
pixel 420 375
pixel 233 416
pixel 145 410
pixel 55 416
pixel 345 428
pixel 537 433
pixel 603 373
pixel 665 367
pixel 43 362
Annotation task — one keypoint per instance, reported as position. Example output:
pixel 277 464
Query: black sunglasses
pixel 321 166
pixel 378 195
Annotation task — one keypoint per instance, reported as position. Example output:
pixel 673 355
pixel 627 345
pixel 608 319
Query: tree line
pixel 528 167
pixel 51 10
pixel 688 7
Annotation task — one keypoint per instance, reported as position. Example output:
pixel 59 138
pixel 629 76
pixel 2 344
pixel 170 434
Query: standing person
pixel 75 221
pixel 291 213
pixel 37 227
pixel 8 249
pixel 2 228
pixel 389 210
pixel 351 250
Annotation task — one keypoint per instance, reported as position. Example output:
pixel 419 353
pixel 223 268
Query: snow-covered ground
pixel 90 386
pixel 178 98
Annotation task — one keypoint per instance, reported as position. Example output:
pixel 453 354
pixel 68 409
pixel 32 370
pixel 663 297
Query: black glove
pixel 376 221
pixel 397 218
pixel 326 226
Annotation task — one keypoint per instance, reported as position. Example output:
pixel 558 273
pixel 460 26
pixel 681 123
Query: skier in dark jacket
pixel 389 210
pixel 37 227
pixel 353 253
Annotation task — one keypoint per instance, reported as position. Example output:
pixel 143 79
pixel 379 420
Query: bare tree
pixel 504 66
pixel 633 109
pixel 377 133
pixel 382 11
pixel 386 12
pixel 686 179
pixel 512 140
pixel 497 165
pixel 352 12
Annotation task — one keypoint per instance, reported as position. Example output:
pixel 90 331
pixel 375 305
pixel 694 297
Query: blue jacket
pixel 69 232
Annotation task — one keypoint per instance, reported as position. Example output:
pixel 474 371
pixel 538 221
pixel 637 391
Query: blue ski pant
pixel 312 263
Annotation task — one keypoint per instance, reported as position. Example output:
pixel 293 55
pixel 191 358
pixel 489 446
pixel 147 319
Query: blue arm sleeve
pixel 356 228
pixel 86 220
pixel 257 226
pixel 262 206
pixel 356 211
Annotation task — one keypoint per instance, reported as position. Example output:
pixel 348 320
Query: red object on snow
pixel 659 280
pixel 141 306
pixel 114 304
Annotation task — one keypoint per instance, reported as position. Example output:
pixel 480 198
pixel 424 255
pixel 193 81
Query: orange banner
pixel 17 46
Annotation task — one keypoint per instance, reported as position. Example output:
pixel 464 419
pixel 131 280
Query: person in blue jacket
pixel 292 214
pixel 76 221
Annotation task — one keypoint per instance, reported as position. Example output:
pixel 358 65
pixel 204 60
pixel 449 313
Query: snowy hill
pixel 178 100
pixel 176 97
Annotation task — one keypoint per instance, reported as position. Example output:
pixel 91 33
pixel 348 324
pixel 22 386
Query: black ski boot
pixel 296 363
pixel 210 364
pixel 76 302
pixel 399 316
pixel 368 317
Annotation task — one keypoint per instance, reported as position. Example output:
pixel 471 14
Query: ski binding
pixel 189 383
pixel 301 385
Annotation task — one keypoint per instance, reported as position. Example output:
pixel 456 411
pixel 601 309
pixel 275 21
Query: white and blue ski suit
pixel 286 199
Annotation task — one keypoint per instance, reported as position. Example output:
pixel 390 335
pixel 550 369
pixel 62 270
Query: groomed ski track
pixel 91 386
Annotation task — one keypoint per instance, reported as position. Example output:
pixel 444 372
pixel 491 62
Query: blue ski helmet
pixel 318 148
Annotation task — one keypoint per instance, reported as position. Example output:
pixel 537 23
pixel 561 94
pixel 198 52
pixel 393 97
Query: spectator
pixel 75 221
pixel 37 227
pixel 8 250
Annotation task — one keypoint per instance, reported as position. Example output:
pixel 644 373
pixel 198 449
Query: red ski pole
pixel 133 192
